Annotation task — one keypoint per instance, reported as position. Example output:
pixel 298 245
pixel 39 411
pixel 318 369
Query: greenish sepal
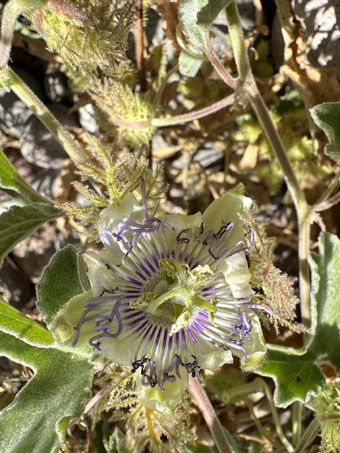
pixel 66 320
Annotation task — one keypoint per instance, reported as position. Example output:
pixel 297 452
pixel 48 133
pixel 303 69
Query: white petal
pixel 255 346
pixel 229 207
pixel 182 222
pixel 237 275
pixel 214 359
pixel 166 401
pixel 100 277
pixel 111 217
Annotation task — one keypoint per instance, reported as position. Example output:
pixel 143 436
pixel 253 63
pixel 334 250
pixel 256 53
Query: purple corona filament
pixel 150 254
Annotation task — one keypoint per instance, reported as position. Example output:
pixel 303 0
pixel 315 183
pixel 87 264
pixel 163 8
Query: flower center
pixel 177 292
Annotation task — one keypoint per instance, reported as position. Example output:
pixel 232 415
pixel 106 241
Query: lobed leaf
pixel 117 442
pixel 196 18
pixel 188 64
pixel 294 372
pixel 22 327
pixel 37 419
pixel 326 299
pixel 63 278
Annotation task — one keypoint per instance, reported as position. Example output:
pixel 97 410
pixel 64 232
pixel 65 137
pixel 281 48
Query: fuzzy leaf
pixel 294 372
pixel 62 279
pixel 326 299
pixel 14 323
pixel 19 222
pixel 327 117
pixel 117 442
pixel 189 65
pixel 10 179
pixel 196 18
pixel 36 421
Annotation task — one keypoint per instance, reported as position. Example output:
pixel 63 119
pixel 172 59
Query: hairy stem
pixel 260 384
pixel 196 115
pixel 308 436
pixel 160 91
pixel 139 43
pixel 328 203
pixel 210 417
pixel 248 83
pixel 296 422
pixel 23 92
pixel 10 13
pixel 217 64
pixel 178 119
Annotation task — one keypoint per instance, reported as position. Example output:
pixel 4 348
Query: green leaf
pixel 117 442
pixel 208 13
pixel 196 18
pixel 326 299
pixel 327 117
pixel 19 222
pixel 294 372
pixel 188 64
pixel 63 278
pixel 195 447
pixel 5 79
pixel 37 419
pixel 22 327
pixel 10 179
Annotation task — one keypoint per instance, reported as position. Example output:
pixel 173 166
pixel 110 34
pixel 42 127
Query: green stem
pixel 328 192
pixel 46 117
pixel 274 139
pixel 210 417
pixel 10 13
pixel 260 385
pixel 308 436
pixel 237 41
pixel 159 94
pixel 257 422
pixel 303 211
pixel 296 422
pixel 304 221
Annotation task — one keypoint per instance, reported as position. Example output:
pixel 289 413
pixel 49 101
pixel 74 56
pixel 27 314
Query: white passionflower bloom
pixel 171 294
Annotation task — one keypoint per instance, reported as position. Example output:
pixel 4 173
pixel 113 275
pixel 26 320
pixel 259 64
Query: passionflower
pixel 171 294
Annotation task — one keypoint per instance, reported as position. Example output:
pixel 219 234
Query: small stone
pixel 56 86
pixel 87 119
pixel 13 112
